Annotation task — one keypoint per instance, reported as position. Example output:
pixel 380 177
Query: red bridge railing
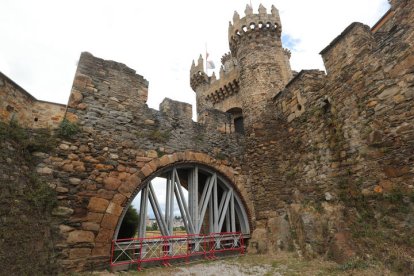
pixel 166 248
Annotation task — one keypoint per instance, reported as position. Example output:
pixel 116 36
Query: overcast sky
pixel 41 40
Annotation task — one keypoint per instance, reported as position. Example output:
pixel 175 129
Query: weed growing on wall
pixel 40 194
pixel 67 129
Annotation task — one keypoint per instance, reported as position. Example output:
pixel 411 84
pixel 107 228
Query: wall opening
pixel 187 199
pixel 204 203
pixel 237 119
pixel 239 125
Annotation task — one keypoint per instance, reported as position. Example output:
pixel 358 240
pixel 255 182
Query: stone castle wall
pixel 333 148
pixel 17 104
pixel 325 167
pixel 122 144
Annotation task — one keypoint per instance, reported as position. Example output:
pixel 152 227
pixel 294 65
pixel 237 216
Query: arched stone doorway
pixel 207 202
pixel 105 215
pixel 214 177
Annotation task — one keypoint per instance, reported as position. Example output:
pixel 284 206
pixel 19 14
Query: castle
pixel 323 162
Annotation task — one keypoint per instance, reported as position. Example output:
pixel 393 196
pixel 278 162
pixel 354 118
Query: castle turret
pixel 199 82
pixel 255 42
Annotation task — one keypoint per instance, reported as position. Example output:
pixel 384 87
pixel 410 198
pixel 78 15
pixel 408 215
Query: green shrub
pixel 395 196
pixel 154 226
pixel 41 140
pixel 355 263
pixel 16 132
pixel 67 129
pixel 159 136
pixel 40 194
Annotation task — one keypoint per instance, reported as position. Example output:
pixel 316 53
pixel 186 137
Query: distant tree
pixel 154 226
pixel 129 224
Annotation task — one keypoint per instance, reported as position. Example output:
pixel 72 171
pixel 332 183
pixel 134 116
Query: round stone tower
pixel 255 41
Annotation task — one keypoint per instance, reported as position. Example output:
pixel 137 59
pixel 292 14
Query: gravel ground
pixel 278 265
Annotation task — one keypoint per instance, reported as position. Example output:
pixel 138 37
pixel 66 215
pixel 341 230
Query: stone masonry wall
pixel 326 167
pixel 336 151
pixel 16 104
pixel 26 225
pixel 121 144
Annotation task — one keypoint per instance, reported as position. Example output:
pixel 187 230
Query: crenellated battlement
pixel 226 58
pixel 197 75
pixel 223 88
pixel 255 40
pixel 255 24
pixel 215 89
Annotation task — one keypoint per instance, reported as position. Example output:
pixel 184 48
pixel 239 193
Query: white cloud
pixel 159 185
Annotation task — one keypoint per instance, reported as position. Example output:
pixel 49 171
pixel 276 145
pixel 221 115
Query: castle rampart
pixel 16 104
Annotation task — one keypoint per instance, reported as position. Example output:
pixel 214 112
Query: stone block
pixel 74 181
pixel 75 98
pixel 147 170
pixel 90 159
pixel 64 146
pixel 80 236
pixel 62 211
pixel 126 189
pixel 77 253
pixel 119 199
pixel 258 242
pixel 104 167
pixel 94 217
pixel 84 148
pixel 90 226
pixel 101 250
pixel 387 185
pixel 111 183
pixel 102 193
pixel 104 236
pixel 98 205
pixel 143 159
pixel 114 209
pixel 124 176
pixel 109 221
pixel 63 228
pixel 152 154
pixel 390 92
pixel 44 170
pixel 396 171
pixel 61 189
pixel 68 168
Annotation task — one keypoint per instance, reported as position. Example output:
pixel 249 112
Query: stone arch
pixel 127 190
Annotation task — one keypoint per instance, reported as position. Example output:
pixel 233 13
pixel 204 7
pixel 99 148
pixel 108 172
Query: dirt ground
pixel 281 264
